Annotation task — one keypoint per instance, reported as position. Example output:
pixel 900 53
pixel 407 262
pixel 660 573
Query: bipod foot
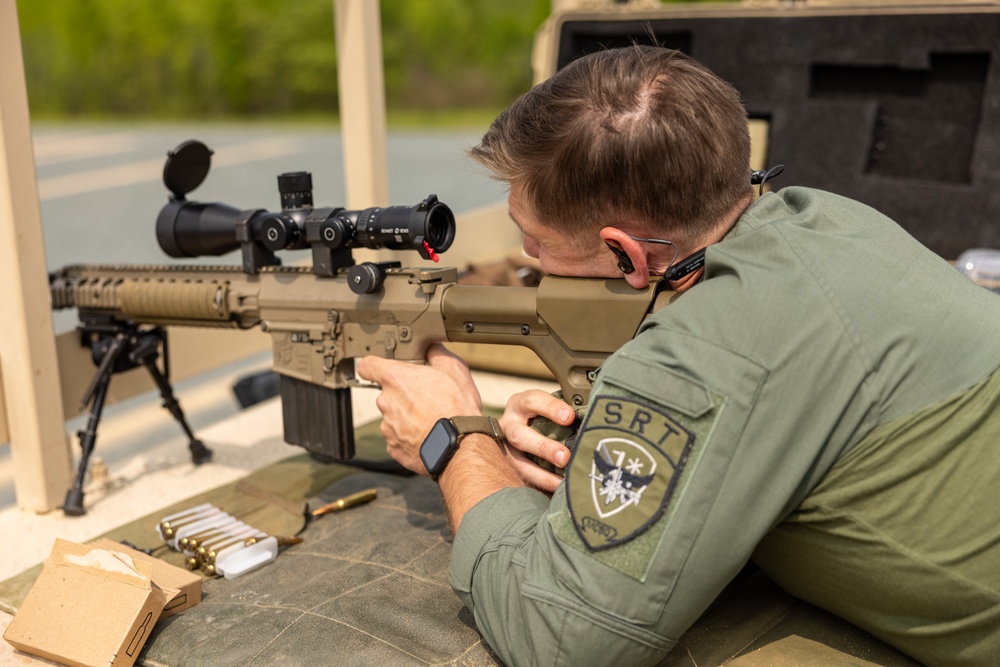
pixel 73 506
pixel 199 452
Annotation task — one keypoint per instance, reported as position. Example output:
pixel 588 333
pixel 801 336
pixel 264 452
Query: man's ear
pixel 624 261
pixel 630 256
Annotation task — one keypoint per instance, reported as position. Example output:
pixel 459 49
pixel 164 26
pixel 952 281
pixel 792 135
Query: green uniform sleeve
pixel 663 504
pixel 641 537
pixel 501 570
pixel 716 422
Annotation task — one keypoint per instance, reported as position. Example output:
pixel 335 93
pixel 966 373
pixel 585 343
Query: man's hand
pixel 414 397
pixel 522 439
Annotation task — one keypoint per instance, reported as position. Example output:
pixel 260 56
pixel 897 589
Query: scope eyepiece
pixel 428 227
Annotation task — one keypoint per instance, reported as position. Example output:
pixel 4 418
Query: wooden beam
pixel 28 365
pixel 361 85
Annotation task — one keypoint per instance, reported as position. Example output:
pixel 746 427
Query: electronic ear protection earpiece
pixel 624 263
pixel 761 176
pixel 696 260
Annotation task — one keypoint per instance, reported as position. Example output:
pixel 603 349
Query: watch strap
pixel 478 424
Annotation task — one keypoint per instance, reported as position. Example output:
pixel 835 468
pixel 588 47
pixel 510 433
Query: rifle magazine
pixel 318 418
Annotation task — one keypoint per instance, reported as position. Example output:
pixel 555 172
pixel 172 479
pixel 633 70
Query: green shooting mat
pixel 369 585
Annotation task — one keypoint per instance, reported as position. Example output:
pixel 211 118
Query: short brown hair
pixel 643 133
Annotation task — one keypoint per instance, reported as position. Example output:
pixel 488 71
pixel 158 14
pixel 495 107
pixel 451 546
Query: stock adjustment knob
pixel 365 278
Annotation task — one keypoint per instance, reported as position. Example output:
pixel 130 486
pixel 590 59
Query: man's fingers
pixel 530 441
pixel 371 368
pixel 392 372
pixel 538 478
pixel 521 409
pixel 452 364
pixel 538 403
pixel 532 474
pixel 438 354
pixel 455 368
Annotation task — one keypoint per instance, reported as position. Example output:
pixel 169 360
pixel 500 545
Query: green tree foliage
pixel 458 53
pixel 224 58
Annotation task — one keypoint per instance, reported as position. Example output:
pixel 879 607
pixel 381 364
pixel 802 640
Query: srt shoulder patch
pixel 628 459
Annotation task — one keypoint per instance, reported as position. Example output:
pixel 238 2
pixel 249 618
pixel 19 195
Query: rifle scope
pixel 193 229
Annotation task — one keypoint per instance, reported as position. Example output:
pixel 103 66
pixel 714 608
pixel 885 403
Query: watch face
pixel 439 446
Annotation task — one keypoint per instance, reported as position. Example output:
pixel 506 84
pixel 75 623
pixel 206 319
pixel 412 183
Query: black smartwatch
pixel 442 442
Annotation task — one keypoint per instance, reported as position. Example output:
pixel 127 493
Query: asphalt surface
pixel 101 186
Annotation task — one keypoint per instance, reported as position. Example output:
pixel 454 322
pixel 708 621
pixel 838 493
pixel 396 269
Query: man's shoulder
pixel 798 205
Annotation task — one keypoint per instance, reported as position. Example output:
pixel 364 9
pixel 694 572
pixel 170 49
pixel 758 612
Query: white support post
pixel 361 83
pixel 28 364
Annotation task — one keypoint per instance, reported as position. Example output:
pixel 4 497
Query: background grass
pixel 269 59
pixel 203 59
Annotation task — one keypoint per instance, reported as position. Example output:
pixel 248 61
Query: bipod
pixel 117 347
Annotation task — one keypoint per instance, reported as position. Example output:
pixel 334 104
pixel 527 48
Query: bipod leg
pixel 199 452
pixel 73 505
pixel 97 391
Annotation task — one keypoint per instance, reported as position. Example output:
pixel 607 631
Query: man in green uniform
pixel 822 396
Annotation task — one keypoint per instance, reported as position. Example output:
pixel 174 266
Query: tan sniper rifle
pixel 321 318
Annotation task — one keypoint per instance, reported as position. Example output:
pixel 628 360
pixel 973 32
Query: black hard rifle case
pixel 895 105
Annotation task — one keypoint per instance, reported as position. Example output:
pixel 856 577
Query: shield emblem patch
pixel 614 484
pixel 627 462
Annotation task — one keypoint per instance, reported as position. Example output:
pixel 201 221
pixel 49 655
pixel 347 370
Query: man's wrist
pixel 445 437
pixel 476 450
pixel 479 469
pixel 478 454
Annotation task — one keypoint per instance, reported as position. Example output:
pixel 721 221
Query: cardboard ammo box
pixel 893 103
pixel 181 587
pixel 88 608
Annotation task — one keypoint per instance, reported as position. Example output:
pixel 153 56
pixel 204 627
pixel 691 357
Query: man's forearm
pixel 479 469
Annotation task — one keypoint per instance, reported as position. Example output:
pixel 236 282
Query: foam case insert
pixel 898 110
